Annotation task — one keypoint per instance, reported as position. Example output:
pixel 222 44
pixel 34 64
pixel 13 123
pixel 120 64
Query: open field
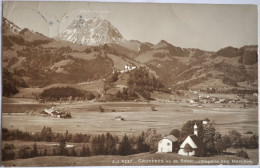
pixel 143 159
pixel 86 117
pixel 18 143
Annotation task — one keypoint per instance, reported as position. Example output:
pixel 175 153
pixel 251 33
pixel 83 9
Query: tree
pixel 97 144
pixel 24 152
pixel 219 146
pixel 34 152
pixel 54 152
pixel 109 82
pixel 226 142
pixel 73 152
pixel 88 151
pixel 151 139
pixel 218 143
pixel 7 152
pixel 109 145
pixel 141 145
pixel 235 138
pixel 125 147
pixel 253 142
pixel 217 136
pixel 188 148
pixel 45 152
pixel 208 138
pixel 47 134
pixel 175 133
pixel 188 129
pixel 85 151
pixel 62 147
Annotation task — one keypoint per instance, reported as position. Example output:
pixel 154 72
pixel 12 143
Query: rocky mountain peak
pixel 91 31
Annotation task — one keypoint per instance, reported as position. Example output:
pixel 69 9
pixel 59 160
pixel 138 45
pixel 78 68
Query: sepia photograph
pixel 129 84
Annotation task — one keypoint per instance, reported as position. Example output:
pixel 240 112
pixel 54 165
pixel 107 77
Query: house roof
pixel 206 119
pixel 171 138
pixel 197 141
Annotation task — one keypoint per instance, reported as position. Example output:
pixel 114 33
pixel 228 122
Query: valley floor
pixel 138 117
pixel 142 159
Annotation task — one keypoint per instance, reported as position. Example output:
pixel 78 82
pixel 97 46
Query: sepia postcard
pixel 129 84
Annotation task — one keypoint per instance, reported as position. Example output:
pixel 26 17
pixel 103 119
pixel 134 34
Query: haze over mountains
pixel 91 48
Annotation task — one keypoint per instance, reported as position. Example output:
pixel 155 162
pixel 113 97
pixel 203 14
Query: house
pixel 197 146
pixel 119 118
pixel 205 121
pixel 69 146
pixel 50 111
pixel 128 68
pixel 167 144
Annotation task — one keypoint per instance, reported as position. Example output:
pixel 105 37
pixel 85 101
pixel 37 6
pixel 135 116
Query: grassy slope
pixel 144 159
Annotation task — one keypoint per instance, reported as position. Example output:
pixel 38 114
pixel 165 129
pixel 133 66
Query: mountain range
pixel 91 49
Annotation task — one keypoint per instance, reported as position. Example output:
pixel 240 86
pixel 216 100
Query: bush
pixel 242 154
pixel 126 94
pixel 9 146
pixel 153 108
pixel 249 132
pixel 7 154
pixel 89 96
pixel 24 152
pixel 229 81
pixel 101 109
pixel 250 142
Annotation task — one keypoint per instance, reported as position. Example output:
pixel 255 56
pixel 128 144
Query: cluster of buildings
pixel 169 143
pixel 53 111
pixel 208 99
pixel 211 99
pixel 127 68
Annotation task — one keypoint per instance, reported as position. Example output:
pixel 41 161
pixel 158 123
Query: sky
pixel 207 27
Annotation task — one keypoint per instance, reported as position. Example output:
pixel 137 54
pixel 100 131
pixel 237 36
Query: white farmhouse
pixel 167 144
pixel 194 142
pixel 205 121
pixel 128 68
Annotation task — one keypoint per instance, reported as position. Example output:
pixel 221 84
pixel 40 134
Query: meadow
pixel 142 159
pixel 139 116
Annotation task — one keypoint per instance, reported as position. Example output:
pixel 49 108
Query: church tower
pixel 196 129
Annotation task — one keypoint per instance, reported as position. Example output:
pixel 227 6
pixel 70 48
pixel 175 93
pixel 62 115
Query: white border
pixel 253 2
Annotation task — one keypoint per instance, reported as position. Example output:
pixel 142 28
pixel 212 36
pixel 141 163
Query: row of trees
pixel 108 144
pixel 65 93
pixel 45 135
pixel 9 152
pixel 104 144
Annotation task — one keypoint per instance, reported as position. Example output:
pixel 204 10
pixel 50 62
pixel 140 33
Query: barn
pixel 167 144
